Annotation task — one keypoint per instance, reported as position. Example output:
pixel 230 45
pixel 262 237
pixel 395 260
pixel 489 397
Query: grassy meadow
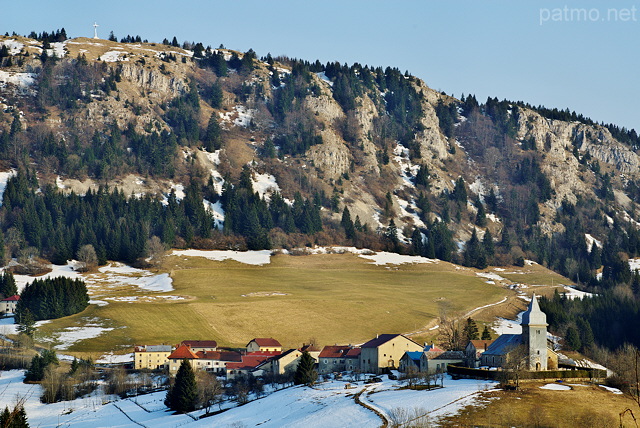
pixel 332 298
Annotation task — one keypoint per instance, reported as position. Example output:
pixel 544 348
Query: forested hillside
pixel 111 144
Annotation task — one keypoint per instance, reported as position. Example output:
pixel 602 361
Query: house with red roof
pixel 385 351
pixel 263 344
pixel 249 364
pixel 212 361
pixel 200 345
pixel 8 305
pixel 336 358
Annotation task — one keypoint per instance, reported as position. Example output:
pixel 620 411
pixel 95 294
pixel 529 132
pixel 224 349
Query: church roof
pixel 504 344
pixel 533 315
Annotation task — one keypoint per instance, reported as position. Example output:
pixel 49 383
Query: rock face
pixel 349 162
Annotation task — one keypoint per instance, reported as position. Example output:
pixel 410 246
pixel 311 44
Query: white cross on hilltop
pixel 95 30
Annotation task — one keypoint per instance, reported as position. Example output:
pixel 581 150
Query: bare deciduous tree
pixel 156 250
pixel 87 258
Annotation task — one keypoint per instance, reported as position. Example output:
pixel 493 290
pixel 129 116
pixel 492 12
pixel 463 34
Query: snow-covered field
pixel 327 404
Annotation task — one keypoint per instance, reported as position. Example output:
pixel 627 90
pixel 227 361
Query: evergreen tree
pixel 471 329
pixel 347 224
pixel 486 334
pixel 474 254
pixel 573 339
pixel 8 286
pixel 305 372
pixel 487 244
pixel 459 193
pixel 26 323
pixel 481 216
pixel 17 418
pixel 182 397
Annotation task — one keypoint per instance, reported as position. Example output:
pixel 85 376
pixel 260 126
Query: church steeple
pixel 534 335
pixel 534 315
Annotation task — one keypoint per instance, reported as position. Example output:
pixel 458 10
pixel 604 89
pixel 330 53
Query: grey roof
pixel 450 355
pixel 157 348
pixel 533 315
pixel 504 344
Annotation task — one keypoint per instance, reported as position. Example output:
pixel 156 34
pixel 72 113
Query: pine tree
pixel 486 334
pixel 487 244
pixel 26 323
pixel 481 216
pixel 347 224
pixel 573 339
pixel 8 286
pixel 305 372
pixel 182 397
pixel 17 418
pixel 471 329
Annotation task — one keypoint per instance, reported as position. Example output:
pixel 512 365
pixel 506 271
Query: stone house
pixel 249 365
pixel 333 359
pixel 211 361
pixel 474 350
pixel 264 345
pixel 151 357
pixel 8 305
pixel 200 345
pixel 385 352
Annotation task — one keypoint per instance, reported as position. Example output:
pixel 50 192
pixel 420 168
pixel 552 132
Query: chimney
pixel 485 346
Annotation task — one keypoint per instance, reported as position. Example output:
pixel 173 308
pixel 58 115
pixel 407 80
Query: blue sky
pixel 584 57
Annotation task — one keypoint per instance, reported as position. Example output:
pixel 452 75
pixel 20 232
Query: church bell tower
pixel 534 335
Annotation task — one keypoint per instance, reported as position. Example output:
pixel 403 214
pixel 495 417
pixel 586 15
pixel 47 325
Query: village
pixel 529 352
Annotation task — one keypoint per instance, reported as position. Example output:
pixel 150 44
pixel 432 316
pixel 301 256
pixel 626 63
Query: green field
pixel 331 298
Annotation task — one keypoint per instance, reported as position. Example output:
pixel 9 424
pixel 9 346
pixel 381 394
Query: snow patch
pixel 4 178
pixel 217 211
pixel 324 77
pixel 573 293
pixel 556 387
pixel 264 184
pixel 611 389
pixel 71 335
pixel 13 46
pixel 22 80
pixel 114 56
pixel 384 258
pixel 491 276
pixel 590 240
pixel 261 257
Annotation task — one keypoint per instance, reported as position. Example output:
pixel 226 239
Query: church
pixel 532 344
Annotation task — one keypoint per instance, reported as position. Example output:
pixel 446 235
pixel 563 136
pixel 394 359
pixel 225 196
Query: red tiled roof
pixel 309 348
pixel 200 343
pixel 353 353
pixel 250 361
pixel 432 348
pixel 334 351
pixel 13 298
pixel 182 352
pixel 481 344
pixel 219 355
pixel 266 342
